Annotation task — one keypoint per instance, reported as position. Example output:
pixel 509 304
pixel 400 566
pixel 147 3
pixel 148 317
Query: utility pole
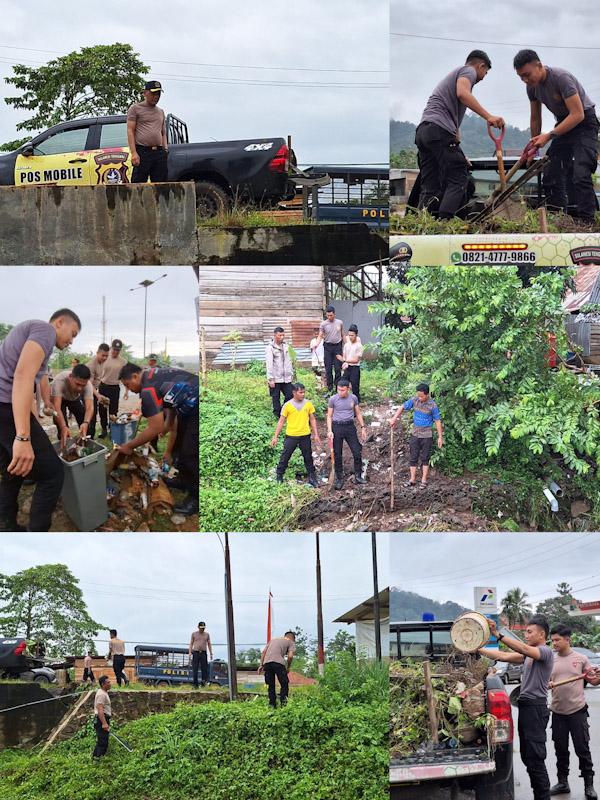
pixel 230 627
pixel 376 608
pixel 145 285
pixel 320 640
pixel 103 317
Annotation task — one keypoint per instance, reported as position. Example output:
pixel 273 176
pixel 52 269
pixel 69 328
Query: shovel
pixel 331 469
pixel 392 461
pixel 497 140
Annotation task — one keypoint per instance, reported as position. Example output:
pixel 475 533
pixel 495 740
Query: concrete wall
pixel 124 224
pixel 33 724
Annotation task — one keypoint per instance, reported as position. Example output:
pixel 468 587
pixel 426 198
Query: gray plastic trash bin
pixel 84 490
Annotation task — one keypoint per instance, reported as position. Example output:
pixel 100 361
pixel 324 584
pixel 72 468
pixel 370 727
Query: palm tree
pixel 515 606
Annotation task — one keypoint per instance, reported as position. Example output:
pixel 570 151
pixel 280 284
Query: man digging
pixel 342 411
pixel 275 662
pixel 299 413
pixel 425 414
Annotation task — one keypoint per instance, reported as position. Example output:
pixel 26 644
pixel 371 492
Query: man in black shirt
pixel 170 393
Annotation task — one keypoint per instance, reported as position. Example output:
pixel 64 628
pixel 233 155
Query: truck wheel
pixel 211 199
pixel 41 679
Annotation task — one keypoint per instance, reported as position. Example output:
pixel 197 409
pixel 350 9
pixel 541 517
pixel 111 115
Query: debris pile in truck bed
pixel 136 492
pixel 458 703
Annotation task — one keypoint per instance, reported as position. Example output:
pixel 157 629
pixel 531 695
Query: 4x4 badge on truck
pixel 259 146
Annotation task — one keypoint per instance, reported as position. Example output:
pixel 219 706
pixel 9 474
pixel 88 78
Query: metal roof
pixel 364 611
pixel 588 289
pixel 245 352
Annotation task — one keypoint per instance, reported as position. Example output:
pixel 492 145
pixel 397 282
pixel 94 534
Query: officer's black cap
pixel 153 86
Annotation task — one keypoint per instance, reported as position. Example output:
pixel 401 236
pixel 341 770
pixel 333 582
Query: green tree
pixel 61 359
pixel 303 644
pixel 556 610
pixel 342 642
pixel 99 80
pixel 45 603
pixel 480 338
pixel 515 606
pixel 5 329
pixel 405 159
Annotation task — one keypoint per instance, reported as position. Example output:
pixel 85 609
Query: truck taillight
pixel 281 162
pixel 20 648
pixel 499 707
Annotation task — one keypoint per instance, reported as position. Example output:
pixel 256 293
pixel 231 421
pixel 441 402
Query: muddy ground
pixel 446 504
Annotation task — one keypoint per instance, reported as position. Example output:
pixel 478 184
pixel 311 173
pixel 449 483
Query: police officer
pixel 568 177
pixel 109 386
pixel 173 392
pixel 147 137
pixel 443 166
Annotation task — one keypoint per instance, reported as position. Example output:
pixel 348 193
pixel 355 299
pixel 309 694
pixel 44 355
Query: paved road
pixel 522 787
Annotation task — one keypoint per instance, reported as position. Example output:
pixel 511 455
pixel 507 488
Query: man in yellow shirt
pixel 300 416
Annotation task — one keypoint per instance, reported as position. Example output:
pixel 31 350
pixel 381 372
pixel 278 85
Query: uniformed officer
pixel 568 177
pixel 147 137
pixel 443 166
pixel 172 393
pixel 109 385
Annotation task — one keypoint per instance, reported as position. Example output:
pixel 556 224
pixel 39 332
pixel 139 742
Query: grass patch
pixel 422 223
pixel 252 218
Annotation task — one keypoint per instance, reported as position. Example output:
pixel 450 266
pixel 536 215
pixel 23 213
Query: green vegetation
pixel 238 490
pixel 480 339
pixel 422 223
pixel 252 218
pixel 329 741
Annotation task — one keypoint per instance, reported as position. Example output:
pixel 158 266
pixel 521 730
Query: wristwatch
pixel 499 636
pixel 23 438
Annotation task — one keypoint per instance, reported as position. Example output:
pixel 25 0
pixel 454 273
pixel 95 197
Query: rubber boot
pixel 188 507
pixel 561 787
pixel 590 792
pixel 10 526
pixel 312 479
pixel 339 482
pixel 279 478
pixel 358 478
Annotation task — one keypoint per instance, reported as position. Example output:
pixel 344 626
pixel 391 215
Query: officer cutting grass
pixel 573 152
pixel 170 404
pixel 102 715
pixel 275 662
pixel 25 450
pixel 147 137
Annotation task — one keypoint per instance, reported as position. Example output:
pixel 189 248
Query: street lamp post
pixel 145 284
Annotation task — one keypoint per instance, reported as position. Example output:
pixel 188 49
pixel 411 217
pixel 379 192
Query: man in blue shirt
pixel 425 414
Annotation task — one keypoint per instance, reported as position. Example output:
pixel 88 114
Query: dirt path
pixel 446 504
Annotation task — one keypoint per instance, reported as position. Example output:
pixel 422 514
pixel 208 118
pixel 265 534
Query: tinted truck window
pixel 63 142
pixel 114 135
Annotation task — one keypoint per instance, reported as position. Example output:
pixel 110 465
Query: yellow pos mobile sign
pixel 539 249
pixel 108 165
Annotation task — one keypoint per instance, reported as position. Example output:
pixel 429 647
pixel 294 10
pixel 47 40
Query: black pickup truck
pixel 486 768
pixel 84 152
pixel 17 662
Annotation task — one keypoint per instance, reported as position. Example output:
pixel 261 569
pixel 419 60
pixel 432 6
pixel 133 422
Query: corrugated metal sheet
pixel 303 331
pixel 252 351
pixel 588 289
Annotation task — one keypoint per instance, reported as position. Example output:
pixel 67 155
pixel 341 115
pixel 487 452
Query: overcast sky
pixel 157 587
pixel 448 566
pixel 340 42
pixel 171 305
pixel 418 64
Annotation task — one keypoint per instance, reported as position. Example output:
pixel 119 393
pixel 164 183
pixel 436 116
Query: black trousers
pixel 200 659
pixel 89 673
pixel 274 670
pixel 279 389
pixel 568 177
pixel 113 393
pixel 48 473
pixel 76 407
pixel 102 737
pixel 118 667
pixel 577 727
pixel 185 452
pixel 333 367
pixel 443 171
pixel 353 375
pixel 533 720
pixel 346 432
pixel 92 425
pixel 420 448
pixel 290 443
pixel 153 165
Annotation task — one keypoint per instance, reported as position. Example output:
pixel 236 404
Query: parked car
pixel 92 151
pixel 485 769
pixel 16 662
pixel 509 673
pixel 594 659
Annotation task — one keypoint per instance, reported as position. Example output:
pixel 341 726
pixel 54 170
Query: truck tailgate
pixel 441 765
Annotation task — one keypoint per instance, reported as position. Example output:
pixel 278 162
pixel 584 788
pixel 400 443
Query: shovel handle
pixel 574 678
pixel 497 140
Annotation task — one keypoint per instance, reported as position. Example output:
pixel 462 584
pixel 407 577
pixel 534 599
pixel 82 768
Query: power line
pixel 500 44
